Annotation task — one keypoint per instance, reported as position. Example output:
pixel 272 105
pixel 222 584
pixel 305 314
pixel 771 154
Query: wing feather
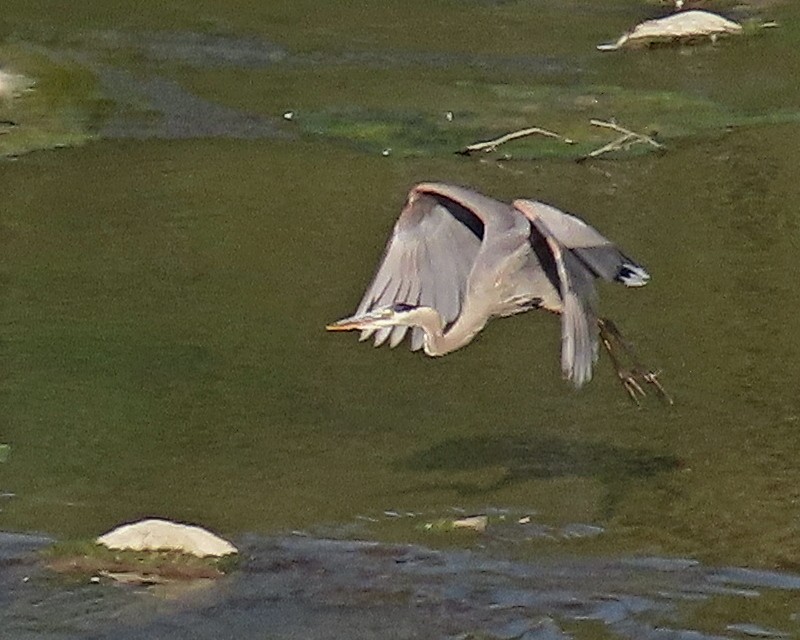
pixel 601 256
pixel 427 261
pixel 578 316
pixel 578 299
pixel 403 294
pixel 381 335
pixel 569 230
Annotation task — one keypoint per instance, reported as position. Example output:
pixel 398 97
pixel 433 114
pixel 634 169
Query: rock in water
pixel 684 26
pixel 161 535
pixel 13 84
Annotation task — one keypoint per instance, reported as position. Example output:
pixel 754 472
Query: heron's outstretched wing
pixel 427 261
pixel 601 256
pixel 578 316
pixel 578 300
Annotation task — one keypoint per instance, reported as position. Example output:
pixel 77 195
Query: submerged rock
pixel 685 26
pixel 474 523
pixel 160 535
pixel 13 84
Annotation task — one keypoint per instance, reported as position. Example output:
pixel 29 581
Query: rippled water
pixel 304 587
pixel 165 285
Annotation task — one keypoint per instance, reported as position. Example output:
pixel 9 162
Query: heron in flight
pixel 457 258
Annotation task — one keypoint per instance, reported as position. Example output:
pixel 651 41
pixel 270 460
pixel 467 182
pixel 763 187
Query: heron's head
pixel 392 315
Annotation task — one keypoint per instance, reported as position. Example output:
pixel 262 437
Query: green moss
pixel 60 107
pixel 86 558
pixel 509 107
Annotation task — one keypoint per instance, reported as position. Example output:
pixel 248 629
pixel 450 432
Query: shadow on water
pixel 540 458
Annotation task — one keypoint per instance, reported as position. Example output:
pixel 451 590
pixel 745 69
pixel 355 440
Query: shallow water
pixel 164 295
pixel 294 587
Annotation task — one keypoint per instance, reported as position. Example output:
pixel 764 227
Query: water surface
pixel 165 289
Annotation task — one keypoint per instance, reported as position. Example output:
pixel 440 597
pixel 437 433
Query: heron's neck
pixel 436 341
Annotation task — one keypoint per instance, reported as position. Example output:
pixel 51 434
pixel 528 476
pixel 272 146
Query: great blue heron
pixel 457 258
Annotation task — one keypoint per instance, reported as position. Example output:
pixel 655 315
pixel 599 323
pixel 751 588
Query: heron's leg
pixel 612 340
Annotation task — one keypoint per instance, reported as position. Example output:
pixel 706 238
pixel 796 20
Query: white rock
pixel 155 535
pixel 478 523
pixel 12 84
pixel 686 25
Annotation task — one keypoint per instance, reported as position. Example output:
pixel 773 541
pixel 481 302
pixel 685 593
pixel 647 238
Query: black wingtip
pixel 632 275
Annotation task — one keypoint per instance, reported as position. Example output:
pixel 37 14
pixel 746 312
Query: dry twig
pixel 624 142
pixel 490 145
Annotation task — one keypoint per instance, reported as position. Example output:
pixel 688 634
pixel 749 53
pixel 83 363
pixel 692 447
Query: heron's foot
pixel 631 385
pixel 651 377
pixel 635 377
pixel 633 380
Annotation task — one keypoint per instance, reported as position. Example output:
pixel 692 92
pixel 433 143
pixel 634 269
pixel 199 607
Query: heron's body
pixel 466 267
pixel 457 258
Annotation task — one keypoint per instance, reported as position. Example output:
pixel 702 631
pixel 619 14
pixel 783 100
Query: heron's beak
pixel 354 322
pixel 346 324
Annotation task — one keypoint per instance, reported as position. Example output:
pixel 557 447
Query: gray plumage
pixel 457 258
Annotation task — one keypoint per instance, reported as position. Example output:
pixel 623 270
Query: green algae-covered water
pixel 172 247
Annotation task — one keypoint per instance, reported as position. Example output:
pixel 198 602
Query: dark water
pixel 297 587
pixel 165 285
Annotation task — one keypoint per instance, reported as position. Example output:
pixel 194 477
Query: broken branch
pixel 490 145
pixel 625 141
